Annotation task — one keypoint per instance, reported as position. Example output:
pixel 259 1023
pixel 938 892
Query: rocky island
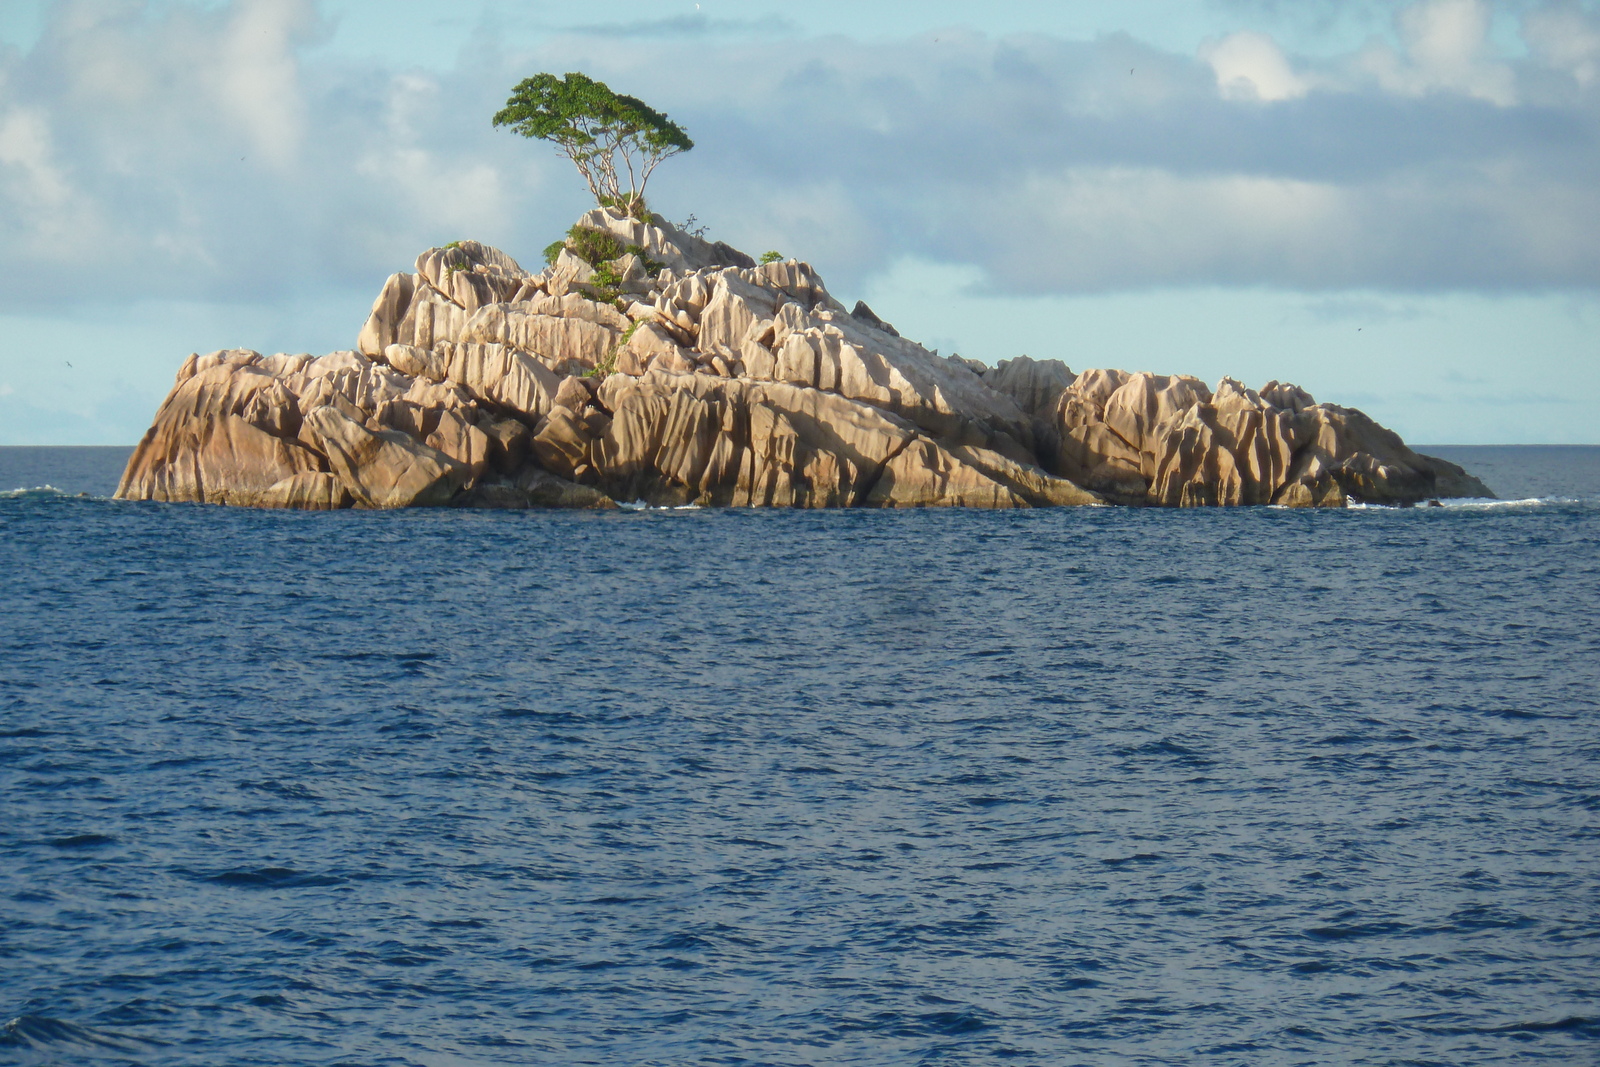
pixel 648 364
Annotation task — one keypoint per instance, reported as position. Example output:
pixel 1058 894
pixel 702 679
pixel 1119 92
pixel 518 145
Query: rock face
pixel 683 372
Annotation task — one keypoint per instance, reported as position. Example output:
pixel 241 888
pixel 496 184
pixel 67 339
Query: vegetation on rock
pixel 592 246
pixel 608 365
pixel 605 253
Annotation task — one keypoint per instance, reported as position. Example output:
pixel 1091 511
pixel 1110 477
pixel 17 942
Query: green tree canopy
pixel 606 135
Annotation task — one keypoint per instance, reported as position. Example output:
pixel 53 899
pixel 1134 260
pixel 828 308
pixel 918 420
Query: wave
pixel 51 493
pixel 39 1033
pixel 1473 503
pixel 1486 504
pixel 640 505
pixel 45 492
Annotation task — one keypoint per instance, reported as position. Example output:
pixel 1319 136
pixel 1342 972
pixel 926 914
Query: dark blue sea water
pixel 1087 786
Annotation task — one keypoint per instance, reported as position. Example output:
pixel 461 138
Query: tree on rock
pixel 605 134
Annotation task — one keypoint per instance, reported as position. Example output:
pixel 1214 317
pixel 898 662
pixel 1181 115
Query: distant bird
pixel 69 363
pixel 1130 71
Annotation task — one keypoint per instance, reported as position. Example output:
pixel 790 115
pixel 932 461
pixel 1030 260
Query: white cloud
pixel 1108 227
pixel 1251 66
pixel 257 75
pixel 208 151
pixel 46 221
pixel 463 194
pixel 1567 39
pixel 37 183
pixel 1446 50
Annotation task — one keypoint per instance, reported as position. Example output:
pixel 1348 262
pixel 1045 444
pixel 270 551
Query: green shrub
pixel 621 206
pixel 651 266
pixel 604 285
pixel 771 257
pixel 600 250
pixel 608 365
pixel 593 246
pixel 457 262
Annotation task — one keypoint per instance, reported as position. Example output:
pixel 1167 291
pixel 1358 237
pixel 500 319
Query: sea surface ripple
pixel 1095 786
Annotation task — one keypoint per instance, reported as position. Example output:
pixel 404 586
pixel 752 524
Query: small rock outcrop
pixel 681 371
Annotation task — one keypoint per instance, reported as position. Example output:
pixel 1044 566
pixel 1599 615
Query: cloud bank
pixel 208 152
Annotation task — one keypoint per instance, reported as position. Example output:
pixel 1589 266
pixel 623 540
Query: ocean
pixel 1080 786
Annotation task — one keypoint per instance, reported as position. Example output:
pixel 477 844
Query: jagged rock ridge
pixel 687 373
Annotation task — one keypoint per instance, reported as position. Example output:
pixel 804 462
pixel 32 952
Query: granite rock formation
pixel 681 371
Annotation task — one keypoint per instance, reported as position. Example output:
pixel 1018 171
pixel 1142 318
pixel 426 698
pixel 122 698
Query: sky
pixel 1393 204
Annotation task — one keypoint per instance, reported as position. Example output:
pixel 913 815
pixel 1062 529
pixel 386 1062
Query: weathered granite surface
pixel 687 373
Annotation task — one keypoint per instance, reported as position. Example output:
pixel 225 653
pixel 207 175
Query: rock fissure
pixel 720 381
pixel 876 476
